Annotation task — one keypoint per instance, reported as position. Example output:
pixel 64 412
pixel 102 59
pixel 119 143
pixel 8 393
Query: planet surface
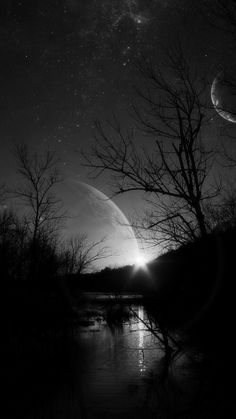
pixel 223 95
pixel 92 213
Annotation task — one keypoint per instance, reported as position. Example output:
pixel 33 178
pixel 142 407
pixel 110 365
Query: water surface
pixel 117 365
pixel 106 371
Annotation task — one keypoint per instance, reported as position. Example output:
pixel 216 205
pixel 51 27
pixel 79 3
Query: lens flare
pixel 140 262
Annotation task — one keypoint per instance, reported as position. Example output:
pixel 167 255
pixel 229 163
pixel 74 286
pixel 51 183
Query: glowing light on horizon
pixel 141 262
pixel 92 211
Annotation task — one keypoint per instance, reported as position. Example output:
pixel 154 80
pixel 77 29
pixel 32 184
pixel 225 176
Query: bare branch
pixel 40 174
pixel 175 172
pixel 80 255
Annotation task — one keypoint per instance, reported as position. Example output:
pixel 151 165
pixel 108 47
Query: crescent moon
pixel 93 212
pixel 217 101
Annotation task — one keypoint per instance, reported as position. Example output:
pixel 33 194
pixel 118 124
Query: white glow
pixel 141 360
pixel 140 262
pixel 91 211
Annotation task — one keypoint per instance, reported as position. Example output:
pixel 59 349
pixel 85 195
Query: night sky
pixel 66 63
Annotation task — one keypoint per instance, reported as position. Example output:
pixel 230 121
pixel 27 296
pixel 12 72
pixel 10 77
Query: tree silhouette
pixel 174 171
pixel 40 175
pixel 45 213
pixel 79 255
pixel 222 217
pixel 13 245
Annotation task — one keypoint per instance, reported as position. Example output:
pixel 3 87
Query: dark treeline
pixel 187 285
pixel 188 293
pixel 190 289
pixel 194 301
pixel 125 279
pixel 193 289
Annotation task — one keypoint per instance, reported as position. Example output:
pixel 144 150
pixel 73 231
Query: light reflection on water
pixel 115 367
pixel 117 373
pixel 142 365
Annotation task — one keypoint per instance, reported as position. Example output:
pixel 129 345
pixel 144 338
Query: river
pixel 118 371
pixel 108 372
pixel 119 362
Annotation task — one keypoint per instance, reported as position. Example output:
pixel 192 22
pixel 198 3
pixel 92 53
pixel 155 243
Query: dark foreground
pixel 166 354
pixel 101 361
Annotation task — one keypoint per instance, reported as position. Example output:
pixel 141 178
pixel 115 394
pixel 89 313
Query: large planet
pixel 223 95
pixel 91 212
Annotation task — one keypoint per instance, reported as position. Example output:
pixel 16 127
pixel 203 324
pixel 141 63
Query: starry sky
pixel 66 63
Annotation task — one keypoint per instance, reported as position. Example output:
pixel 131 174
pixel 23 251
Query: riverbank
pixel 190 294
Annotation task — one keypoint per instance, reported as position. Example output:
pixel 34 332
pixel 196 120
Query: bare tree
pixel 13 245
pixel 223 215
pixel 45 214
pixel 174 171
pixel 80 255
pixel 40 175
